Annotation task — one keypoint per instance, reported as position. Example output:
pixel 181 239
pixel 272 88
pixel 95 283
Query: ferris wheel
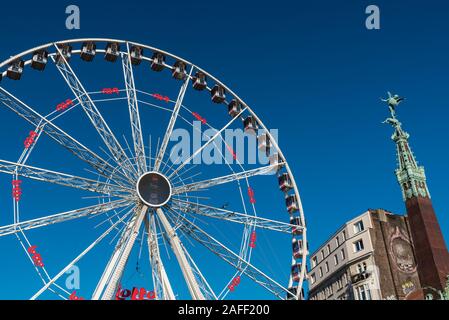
pixel 213 229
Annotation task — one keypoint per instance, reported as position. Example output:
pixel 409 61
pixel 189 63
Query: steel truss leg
pixel 177 248
pixel 114 270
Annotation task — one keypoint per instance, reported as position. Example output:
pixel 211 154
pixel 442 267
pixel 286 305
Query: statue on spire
pixel 393 101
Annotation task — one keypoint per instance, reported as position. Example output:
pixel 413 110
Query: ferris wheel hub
pixel 154 189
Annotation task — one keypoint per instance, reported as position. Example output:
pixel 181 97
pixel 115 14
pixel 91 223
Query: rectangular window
pixel 320 272
pixel 363 292
pixel 337 241
pixel 326 267
pixel 336 259
pixel 343 254
pixel 312 278
pixel 344 235
pixel 328 249
pixel 358 227
pixel 322 255
pixel 314 262
pixel 358 246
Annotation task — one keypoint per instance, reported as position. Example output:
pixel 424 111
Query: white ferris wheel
pixel 190 220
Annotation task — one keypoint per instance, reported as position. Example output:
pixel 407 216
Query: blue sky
pixel 310 69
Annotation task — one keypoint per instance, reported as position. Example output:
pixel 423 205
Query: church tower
pixel 430 249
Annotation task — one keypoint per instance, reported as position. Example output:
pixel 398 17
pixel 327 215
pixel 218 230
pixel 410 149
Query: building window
pixel 322 255
pixel 358 227
pixel 320 272
pixel 312 278
pixel 343 254
pixel 326 267
pixel 358 246
pixel 361 267
pixel 328 249
pixel 363 292
pixel 314 261
pixel 344 235
pixel 336 259
pixel 337 241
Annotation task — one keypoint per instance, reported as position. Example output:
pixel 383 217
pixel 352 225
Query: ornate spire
pixel 411 177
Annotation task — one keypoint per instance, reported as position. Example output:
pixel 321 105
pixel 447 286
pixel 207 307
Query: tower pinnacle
pixel 411 177
pixel 431 252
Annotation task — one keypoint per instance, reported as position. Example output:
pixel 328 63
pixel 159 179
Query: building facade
pixel 370 258
pixel 380 255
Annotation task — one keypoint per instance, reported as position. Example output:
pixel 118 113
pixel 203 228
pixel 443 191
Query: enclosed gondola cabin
pixel 88 50
pixel 179 70
pixel 263 143
pixel 296 271
pixel 234 108
pixel 15 70
pixel 292 204
pixel 218 94
pixel 39 60
pixel 285 183
pixel 297 248
pixel 199 81
pixel 64 53
pixel 296 223
pixel 112 51
pixel 158 62
pixel 250 125
pixel 136 54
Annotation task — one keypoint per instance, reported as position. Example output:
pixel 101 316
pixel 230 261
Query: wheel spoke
pixel 62 179
pixel 108 284
pixel 185 162
pixel 172 122
pixel 57 134
pixel 93 113
pixel 223 214
pixel 161 282
pixel 62 217
pixel 82 254
pixel 232 258
pixel 195 186
pixel 134 114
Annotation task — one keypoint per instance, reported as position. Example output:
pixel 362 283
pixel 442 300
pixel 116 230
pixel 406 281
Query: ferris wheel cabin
pixel 88 50
pixel 199 81
pixel 136 54
pixel 15 70
pixel 112 51
pixel 65 53
pixel 39 60
pixel 179 70
pixel 158 63
pixel 234 108
pixel 218 94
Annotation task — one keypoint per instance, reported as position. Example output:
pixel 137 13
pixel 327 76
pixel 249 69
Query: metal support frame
pixel 161 283
pixel 108 284
pixel 134 115
pixel 93 114
pixel 177 248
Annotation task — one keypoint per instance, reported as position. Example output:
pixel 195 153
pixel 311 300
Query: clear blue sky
pixel 310 69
